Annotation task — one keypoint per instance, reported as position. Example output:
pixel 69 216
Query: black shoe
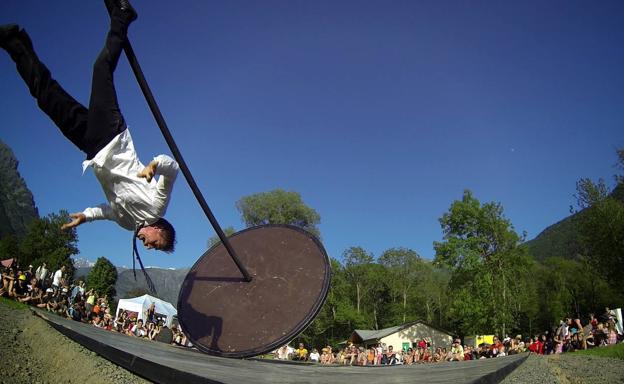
pixel 7 33
pixel 127 11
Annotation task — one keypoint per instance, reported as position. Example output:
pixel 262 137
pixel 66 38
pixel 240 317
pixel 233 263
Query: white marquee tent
pixel 140 304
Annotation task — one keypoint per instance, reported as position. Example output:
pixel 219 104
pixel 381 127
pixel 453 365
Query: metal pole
pixel 136 68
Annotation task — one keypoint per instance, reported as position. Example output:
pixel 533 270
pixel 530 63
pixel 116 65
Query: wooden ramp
pixel 162 363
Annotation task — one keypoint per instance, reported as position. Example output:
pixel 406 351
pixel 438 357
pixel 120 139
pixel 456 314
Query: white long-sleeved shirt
pixel 132 201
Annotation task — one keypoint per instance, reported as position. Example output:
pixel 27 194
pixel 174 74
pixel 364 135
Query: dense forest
pixel 485 277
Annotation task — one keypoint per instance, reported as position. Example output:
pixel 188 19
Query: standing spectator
pixel 57 280
pixel 29 273
pixel 91 296
pixel 150 313
pixel 378 354
pixel 611 332
pixel 79 289
pixel 41 273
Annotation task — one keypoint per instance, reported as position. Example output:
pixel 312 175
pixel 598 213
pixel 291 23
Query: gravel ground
pixel 568 369
pixel 33 352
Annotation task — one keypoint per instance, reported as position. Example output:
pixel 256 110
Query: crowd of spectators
pixel 571 335
pixel 51 292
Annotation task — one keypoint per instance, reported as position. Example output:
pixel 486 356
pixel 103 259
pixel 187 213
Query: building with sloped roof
pixel 403 336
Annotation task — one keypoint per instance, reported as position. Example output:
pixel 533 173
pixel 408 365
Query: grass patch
pixel 614 351
pixel 12 303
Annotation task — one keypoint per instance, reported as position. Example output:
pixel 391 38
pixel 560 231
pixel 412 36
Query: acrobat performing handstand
pixel 137 201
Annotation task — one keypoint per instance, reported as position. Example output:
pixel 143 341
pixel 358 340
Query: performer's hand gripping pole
pixel 136 68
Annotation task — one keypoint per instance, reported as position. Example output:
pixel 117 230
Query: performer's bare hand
pixel 148 172
pixel 78 218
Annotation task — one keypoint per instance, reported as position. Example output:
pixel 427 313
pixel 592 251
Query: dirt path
pixel 33 352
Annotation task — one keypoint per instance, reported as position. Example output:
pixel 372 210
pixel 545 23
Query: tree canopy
pixel 278 207
pixel 102 278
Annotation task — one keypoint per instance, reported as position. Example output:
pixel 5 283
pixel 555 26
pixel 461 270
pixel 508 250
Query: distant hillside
pixel 561 239
pixel 17 205
pixel 167 281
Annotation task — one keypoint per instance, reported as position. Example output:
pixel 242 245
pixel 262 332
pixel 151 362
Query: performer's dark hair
pixel 168 232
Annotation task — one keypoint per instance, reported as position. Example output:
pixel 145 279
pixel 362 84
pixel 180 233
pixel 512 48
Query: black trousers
pixel 89 129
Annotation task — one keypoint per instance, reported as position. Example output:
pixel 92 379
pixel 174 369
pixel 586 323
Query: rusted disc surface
pixel 225 316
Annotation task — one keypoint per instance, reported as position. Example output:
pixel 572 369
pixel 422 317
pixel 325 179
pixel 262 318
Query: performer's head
pixel 160 235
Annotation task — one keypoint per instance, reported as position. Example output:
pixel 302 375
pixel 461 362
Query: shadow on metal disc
pixel 225 316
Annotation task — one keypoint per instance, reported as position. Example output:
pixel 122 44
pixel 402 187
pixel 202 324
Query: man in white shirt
pixel 57 279
pixel 135 201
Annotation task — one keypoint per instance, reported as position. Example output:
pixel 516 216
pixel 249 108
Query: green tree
pixel 405 268
pixel 485 257
pixel 356 260
pixel 103 277
pixel 601 226
pixel 278 207
pixel 46 242
pixel 214 240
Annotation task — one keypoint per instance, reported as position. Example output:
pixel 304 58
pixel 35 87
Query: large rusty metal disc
pixel 224 315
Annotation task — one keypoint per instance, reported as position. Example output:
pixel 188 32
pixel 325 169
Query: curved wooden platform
pixel 166 364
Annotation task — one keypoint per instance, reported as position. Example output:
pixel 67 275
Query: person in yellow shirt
pixel 301 353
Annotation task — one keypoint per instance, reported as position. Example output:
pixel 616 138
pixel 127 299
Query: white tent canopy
pixel 140 305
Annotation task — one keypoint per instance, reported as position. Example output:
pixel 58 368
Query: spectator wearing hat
pixel 457 351
pixel 20 289
pixel 301 353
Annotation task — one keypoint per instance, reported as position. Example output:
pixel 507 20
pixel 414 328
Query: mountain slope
pixel 17 205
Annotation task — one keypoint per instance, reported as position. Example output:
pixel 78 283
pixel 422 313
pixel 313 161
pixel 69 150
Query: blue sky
pixel 379 113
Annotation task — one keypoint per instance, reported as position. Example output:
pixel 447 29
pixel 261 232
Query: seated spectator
pixel 164 334
pixel 152 331
pixel 409 357
pixel 8 279
pixel 389 358
pixel 437 356
pixel 138 330
pixel 315 356
pixel 20 290
pixel 457 351
pixel 426 356
pixel 362 358
pixel 301 353
pixel 324 359
pixel 370 356
pixel 468 353
pixel 34 295
pixel 352 354
pixel 497 347
pixel 47 296
pixel 282 352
